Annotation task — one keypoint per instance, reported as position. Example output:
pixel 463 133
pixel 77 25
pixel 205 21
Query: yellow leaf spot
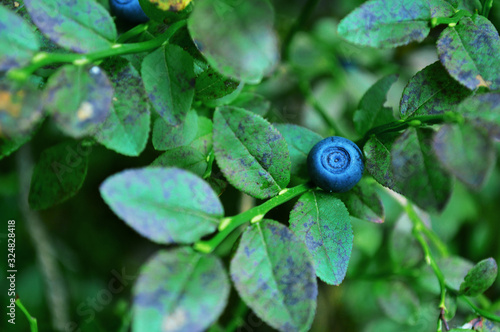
pixel 482 82
pixel 85 111
pixel 11 105
pixel 170 5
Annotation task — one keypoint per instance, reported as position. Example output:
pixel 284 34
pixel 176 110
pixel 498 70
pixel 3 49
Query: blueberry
pixel 128 10
pixel 335 164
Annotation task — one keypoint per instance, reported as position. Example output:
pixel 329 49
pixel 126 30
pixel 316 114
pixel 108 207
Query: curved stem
pixel 255 214
pixel 479 311
pixel 43 59
pixel 31 320
pixel 135 31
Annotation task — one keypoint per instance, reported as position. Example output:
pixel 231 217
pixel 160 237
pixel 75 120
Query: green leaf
pixel 322 222
pixel 18 42
pixel 179 290
pixel 169 80
pixel 431 91
pixel 237 39
pixel 467 51
pixel 184 157
pixel 21 109
pixel 400 303
pixel 126 129
pixel 58 175
pixel 417 172
pixel 8 146
pixel 251 153
pixel 273 273
pixel 479 278
pixel 166 136
pixel 80 25
pixel 467 152
pixel 391 23
pixel 252 102
pixel 166 205
pixel 483 111
pixel 371 111
pixel 454 269
pixel 212 85
pixel 79 99
pixel 363 202
pixel 300 141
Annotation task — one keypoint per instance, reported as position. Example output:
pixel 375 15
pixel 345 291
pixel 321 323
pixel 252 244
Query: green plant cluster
pixel 199 96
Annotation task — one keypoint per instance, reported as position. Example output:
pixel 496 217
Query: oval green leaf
pixel 322 222
pixel 237 39
pixel 179 290
pixel 166 205
pixel 364 203
pixel 126 129
pixel 483 111
pixel 274 275
pixel 80 25
pixel 169 79
pixel 480 278
pixel 166 136
pixel 251 153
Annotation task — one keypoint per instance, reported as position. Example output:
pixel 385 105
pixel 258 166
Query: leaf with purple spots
pixel 169 79
pixel 167 136
pixel 322 222
pixel 391 23
pixel 18 42
pixel 165 205
pixel 79 99
pixel 79 25
pixel 179 290
pixel 480 278
pixel 467 152
pixel 58 175
pixel 431 91
pixel 274 274
pixel 212 85
pixel 237 38
pixel 126 129
pixel 469 51
pixel 250 152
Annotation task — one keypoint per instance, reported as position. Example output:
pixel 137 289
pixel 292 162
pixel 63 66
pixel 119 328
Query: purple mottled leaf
pixel 484 111
pixel 167 136
pixel 391 23
pixel 322 222
pixel 469 51
pixel 480 277
pixel 126 129
pixel 166 205
pixel 18 42
pixel 431 91
pixel 169 80
pixel 80 25
pixel 250 152
pixel 273 273
pixel 363 202
pixel 179 290
pixel 79 99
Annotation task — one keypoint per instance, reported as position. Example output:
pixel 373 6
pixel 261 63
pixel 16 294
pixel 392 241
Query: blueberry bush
pixel 155 158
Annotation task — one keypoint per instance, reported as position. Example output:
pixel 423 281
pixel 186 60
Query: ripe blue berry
pixel 335 164
pixel 128 10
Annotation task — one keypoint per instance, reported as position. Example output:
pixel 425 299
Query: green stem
pixel 487 5
pixel 210 162
pixel 255 214
pixel 135 31
pixel 450 20
pixel 305 13
pixel 418 232
pixel 32 320
pixel 307 92
pixel 479 311
pixel 413 121
pixel 43 59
